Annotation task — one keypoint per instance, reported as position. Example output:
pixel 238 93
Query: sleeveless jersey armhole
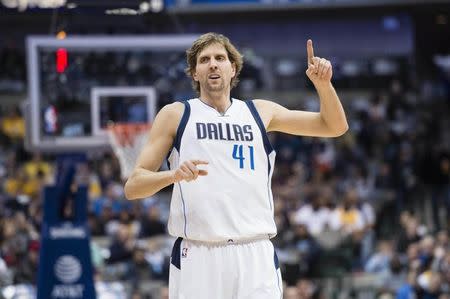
pixel 180 130
pixel 267 145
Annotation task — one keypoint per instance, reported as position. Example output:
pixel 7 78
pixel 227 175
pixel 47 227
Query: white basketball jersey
pixel 234 201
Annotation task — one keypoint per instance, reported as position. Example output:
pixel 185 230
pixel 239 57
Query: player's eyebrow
pixel 213 54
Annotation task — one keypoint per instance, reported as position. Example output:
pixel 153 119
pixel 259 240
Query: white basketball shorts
pixel 236 270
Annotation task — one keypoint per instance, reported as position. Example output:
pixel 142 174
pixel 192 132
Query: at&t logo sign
pixel 68 270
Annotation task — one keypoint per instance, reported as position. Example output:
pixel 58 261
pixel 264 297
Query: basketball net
pixel 127 140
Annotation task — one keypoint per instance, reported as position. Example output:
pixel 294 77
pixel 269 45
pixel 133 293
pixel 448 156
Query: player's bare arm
pixel 145 179
pixel 329 122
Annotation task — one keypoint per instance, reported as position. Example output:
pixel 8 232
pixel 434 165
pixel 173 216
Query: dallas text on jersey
pixel 224 131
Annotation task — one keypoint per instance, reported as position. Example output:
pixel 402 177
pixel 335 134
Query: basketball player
pixel 221 164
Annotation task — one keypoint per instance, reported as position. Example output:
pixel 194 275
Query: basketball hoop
pixel 127 140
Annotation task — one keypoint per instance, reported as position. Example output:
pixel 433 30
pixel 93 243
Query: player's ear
pixel 194 76
pixel 233 72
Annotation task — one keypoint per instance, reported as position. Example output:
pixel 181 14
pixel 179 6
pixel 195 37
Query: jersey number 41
pixel 238 154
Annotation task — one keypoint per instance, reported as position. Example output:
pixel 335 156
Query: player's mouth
pixel 213 76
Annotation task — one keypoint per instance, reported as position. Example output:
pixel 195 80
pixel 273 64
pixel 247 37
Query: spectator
pixel 27 268
pixel 13 125
pixel 291 293
pixel 409 289
pixel 113 197
pixel 6 275
pixel 410 231
pixel 151 224
pixel 121 248
pixel 368 239
pixel 380 261
pixel 314 214
pixel 347 217
pixel 426 251
pixel 307 248
pixel 430 285
pixel 441 189
pixel 307 289
pixel 139 270
pixel 37 167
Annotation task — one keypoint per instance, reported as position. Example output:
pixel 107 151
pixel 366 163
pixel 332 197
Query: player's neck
pixel 219 101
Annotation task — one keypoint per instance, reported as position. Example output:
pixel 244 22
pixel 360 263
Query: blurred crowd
pixel 12 68
pixel 372 204
pixel 375 201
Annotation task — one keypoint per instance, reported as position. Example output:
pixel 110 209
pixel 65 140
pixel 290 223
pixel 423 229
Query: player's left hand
pixel 319 69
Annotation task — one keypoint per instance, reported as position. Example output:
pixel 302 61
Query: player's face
pixel 214 70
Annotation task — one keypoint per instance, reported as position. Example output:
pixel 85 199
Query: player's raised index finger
pixel 310 50
pixel 197 162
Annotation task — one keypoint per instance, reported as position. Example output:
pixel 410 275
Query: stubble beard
pixel 214 88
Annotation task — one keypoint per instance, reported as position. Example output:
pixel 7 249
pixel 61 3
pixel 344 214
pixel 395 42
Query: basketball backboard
pixel 78 84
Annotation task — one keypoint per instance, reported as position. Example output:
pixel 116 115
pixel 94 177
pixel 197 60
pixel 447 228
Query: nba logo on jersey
pixel 184 252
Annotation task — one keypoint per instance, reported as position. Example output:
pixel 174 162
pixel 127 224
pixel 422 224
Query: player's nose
pixel 213 63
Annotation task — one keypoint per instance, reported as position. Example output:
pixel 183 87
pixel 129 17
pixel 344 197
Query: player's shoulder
pixel 265 110
pixel 262 103
pixel 169 117
pixel 264 106
pixel 170 114
pixel 172 110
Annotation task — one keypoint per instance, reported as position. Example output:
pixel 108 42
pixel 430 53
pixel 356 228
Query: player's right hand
pixel 188 171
